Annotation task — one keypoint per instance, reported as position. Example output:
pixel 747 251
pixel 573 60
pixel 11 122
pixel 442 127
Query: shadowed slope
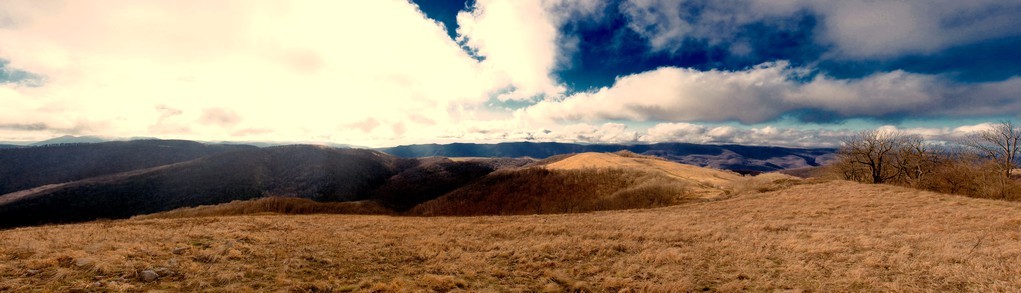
pixel 278 205
pixel 312 172
pixel 583 182
pixel 29 167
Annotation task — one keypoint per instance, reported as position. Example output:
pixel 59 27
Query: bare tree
pixel 916 160
pixel 873 150
pixel 1001 143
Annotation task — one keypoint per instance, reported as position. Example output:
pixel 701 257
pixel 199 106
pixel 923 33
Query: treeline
pixel 979 165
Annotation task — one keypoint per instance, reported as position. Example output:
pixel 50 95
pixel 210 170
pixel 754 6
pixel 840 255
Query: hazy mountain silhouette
pixel 71 139
pixel 303 171
pixel 28 167
pixel 732 157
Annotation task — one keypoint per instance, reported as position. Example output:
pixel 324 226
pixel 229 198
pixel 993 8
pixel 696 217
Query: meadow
pixel 814 235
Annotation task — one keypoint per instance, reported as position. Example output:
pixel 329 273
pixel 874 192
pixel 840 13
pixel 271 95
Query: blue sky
pixel 795 73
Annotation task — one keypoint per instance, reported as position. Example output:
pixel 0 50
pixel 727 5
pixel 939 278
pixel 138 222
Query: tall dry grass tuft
pixel 544 191
pixel 279 205
pixel 766 182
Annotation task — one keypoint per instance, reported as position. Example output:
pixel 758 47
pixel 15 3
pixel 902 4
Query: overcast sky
pixel 381 72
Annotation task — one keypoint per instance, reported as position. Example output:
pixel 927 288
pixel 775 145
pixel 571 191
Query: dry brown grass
pixel 703 182
pixel 278 205
pixel 544 191
pixel 833 236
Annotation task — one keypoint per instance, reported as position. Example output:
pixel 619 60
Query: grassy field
pixel 830 236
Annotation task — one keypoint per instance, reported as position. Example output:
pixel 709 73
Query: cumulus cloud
pixel 304 69
pixel 856 28
pixel 771 90
pixel 522 42
pixel 790 137
pixel 381 73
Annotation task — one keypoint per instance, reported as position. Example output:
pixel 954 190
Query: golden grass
pixel 705 182
pixel 534 190
pixel 832 236
pixel 278 205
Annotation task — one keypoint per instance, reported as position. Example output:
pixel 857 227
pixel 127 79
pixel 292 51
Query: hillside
pixel 581 183
pixel 730 157
pixel 705 182
pixel 312 172
pixel 823 237
pixel 30 167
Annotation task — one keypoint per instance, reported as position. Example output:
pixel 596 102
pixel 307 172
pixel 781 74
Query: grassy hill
pixel 702 182
pixel 816 236
pixel 564 184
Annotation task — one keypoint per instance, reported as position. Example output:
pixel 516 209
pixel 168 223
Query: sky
pixel 801 73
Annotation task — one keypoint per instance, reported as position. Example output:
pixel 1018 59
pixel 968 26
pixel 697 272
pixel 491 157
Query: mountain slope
pixel 582 182
pixel 318 173
pixel 704 182
pixel 731 157
pixel 29 167
pixel 312 172
pixel 69 139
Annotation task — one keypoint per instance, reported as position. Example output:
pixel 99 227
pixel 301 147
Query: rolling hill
pixel 703 182
pixel 82 182
pixel 29 167
pixel 563 184
pixel 300 171
pixel 731 157
pixel 312 172
pixel 583 182
pixel 834 236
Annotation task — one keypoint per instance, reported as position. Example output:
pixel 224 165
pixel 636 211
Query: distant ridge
pixel 29 167
pixel 70 139
pixel 731 157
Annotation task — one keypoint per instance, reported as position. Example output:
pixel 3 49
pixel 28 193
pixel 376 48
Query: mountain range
pixel 74 182
pixel 738 158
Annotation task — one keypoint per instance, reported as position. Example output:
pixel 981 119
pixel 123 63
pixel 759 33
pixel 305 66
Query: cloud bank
pixel 772 90
pixel 381 73
pixel 854 28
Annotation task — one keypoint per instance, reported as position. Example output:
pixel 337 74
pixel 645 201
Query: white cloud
pixel 789 137
pixel 521 41
pixel 857 28
pixel 769 91
pixel 381 73
pixel 294 70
